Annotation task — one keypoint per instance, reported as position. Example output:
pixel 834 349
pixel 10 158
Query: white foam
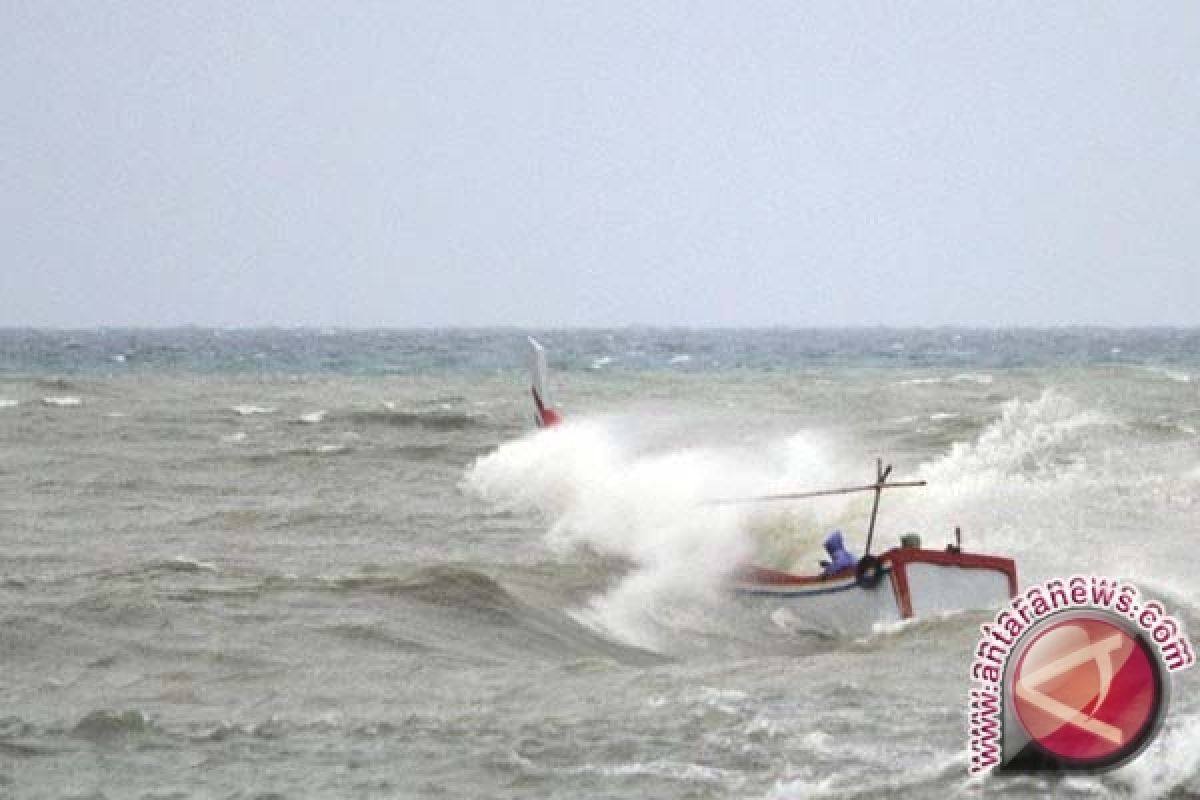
pixel 893 628
pixel 600 363
pixel 62 401
pixel 1061 487
pixel 1171 762
pixel 234 438
pixel 1022 442
pixel 8 402
pixel 312 417
pixel 682 358
pixel 799 788
pixel 246 410
pixel 193 565
pixel 600 491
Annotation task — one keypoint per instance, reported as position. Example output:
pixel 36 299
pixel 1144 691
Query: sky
pixel 445 163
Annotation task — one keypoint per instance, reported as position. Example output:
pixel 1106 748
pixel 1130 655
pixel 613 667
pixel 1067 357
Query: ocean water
pixel 292 564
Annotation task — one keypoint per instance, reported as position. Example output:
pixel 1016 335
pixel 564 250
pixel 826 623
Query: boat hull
pixel 914 583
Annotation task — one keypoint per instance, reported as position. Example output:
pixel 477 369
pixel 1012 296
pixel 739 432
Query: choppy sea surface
pixel 293 564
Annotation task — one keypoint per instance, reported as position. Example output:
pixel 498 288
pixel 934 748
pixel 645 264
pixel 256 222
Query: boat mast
pixel 881 476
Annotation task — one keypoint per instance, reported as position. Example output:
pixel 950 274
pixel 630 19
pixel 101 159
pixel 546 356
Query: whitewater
pixel 343 564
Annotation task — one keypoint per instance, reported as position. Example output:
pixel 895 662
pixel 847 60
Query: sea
pixel 344 563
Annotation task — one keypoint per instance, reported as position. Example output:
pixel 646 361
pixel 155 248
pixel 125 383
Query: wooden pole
pixel 870 487
pixel 881 475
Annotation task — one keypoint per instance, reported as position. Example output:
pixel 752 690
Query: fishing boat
pixel 900 583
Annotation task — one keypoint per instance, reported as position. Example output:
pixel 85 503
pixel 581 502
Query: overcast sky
pixel 599 163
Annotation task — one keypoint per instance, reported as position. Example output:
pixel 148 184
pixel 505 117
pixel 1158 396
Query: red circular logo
pixel 1087 691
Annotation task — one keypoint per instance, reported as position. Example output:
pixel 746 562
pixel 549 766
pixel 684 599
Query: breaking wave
pixel 1064 488
pixel 1058 485
pixel 604 493
pixel 449 610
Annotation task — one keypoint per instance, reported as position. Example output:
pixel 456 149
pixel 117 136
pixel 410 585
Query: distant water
pixel 250 564
pixel 384 352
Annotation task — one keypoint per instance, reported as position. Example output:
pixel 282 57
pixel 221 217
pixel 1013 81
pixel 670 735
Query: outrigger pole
pixel 881 476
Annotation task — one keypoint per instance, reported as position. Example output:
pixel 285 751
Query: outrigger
pixel 900 583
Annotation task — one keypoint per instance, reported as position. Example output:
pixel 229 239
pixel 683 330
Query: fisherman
pixel 839 557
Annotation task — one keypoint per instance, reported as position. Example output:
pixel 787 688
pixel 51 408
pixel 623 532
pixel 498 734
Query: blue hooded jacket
pixel 839 557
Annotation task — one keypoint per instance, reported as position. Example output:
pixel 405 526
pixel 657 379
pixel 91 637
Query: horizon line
pixel 516 328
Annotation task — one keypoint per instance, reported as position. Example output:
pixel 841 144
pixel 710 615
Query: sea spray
pixel 1060 486
pixel 547 471
pixel 599 492
pixel 1015 488
pixel 599 489
pixel 1032 441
